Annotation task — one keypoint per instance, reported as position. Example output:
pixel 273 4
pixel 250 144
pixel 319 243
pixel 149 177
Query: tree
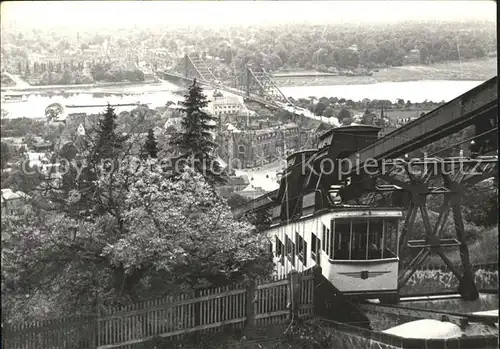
pixel 195 141
pixel 6 154
pixel 161 235
pixel 328 112
pixel 236 200
pixel 54 111
pixel 319 108
pixel 108 141
pixel 368 118
pixel 347 121
pixel 344 114
pixel 150 147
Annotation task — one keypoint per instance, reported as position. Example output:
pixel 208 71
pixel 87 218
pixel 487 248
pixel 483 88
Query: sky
pixel 26 14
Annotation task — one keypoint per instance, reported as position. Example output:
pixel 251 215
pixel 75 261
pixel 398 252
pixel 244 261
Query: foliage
pixel 6 154
pixel 368 118
pixel 309 334
pixel 236 200
pixel 437 280
pixel 480 203
pixel 150 147
pixel 279 47
pixel 328 112
pixel 108 73
pixel 323 48
pixel 53 111
pixel 344 114
pixel 117 233
pixel 108 140
pixel 20 127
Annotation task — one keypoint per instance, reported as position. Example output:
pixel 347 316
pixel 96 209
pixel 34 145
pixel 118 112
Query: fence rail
pixel 241 305
pixel 258 303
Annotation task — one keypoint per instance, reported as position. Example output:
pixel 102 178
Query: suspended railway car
pixel 312 224
pixel 356 247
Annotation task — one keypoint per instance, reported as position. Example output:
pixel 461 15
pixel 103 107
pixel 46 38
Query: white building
pixel 36 159
pixel 228 105
pixel 12 202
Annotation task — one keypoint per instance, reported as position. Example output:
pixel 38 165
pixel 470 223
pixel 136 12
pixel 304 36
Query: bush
pixel 435 281
pixel 471 230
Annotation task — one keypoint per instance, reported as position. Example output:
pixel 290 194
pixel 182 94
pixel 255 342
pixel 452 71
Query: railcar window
pixel 314 246
pixel 359 236
pixel 342 239
pixel 375 228
pixel 328 241
pixel 332 242
pixel 301 249
pixel 364 239
pixel 280 250
pixel 324 238
pixel 290 250
pixel 390 238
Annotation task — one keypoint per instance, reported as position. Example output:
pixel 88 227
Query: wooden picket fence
pixel 242 305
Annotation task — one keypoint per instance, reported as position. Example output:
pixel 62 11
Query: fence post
pixel 318 301
pixel 250 314
pixel 97 329
pixel 197 308
pixel 294 294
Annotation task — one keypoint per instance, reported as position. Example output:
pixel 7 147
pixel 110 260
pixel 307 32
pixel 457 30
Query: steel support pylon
pixel 420 178
pixel 256 81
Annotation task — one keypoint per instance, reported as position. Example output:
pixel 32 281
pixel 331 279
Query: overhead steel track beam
pixel 441 122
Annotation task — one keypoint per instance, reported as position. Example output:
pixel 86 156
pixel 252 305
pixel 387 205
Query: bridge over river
pixel 253 84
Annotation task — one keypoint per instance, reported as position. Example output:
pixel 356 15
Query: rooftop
pixel 239 180
pixel 9 194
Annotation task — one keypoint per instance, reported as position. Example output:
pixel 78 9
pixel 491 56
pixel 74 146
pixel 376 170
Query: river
pixel 157 95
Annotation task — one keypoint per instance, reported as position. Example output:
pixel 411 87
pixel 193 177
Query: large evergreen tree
pixel 108 142
pixel 150 147
pixel 196 140
pixel 101 154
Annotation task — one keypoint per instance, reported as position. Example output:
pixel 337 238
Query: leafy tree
pixel 150 147
pixel 344 114
pixel 480 203
pixel 53 111
pixel 368 118
pixel 195 141
pixel 160 235
pixel 6 154
pixel 236 200
pixel 319 108
pixel 328 112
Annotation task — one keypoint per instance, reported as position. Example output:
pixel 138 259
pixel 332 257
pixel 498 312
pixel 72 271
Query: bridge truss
pixel 253 83
pixel 257 81
pixel 194 67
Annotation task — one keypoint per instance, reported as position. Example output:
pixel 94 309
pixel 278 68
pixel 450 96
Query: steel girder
pixel 456 174
pixel 194 67
pixel 475 107
pixel 257 81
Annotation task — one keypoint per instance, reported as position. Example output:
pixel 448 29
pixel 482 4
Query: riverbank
pixel 32 89
pixel 465 71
